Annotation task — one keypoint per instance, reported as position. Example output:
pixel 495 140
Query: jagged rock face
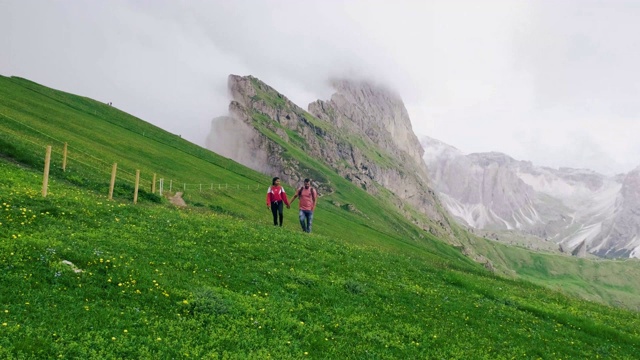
pixel 481 191
pixel 492 184
pixel 380 115
pixel 377 113
pixel 581 210
pixel 389 155
pixel 621 234
pixel 235 136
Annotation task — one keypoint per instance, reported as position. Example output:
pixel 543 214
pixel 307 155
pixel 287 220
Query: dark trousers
pixel 277 207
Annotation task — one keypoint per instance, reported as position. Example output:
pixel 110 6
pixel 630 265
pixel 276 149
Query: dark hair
pixel 307 180
pixel 273 182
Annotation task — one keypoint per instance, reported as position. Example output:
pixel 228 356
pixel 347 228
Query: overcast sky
pixel 555 82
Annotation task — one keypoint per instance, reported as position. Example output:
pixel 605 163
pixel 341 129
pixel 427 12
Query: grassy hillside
pixel 614 283
pixel 34 116
pixel 84 277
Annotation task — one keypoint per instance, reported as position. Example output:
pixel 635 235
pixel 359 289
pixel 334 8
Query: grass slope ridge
pixel 216 281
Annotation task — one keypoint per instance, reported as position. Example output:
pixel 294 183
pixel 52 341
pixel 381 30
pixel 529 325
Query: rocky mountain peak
pixel 436 149
pixel 372 110
pixel 363 133
pixel 365 94
pixel 487 158
pixel 240 88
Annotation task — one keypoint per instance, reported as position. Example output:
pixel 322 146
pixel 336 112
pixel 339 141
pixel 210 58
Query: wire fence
pixel 73 155
pixel 178 186
pixel 28 144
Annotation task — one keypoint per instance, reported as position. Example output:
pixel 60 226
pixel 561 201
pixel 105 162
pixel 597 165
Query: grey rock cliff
pixel 374 112
pixel 235 136
pixel 379 116
pixel 481 190
pixel 620 234
pixel 578 209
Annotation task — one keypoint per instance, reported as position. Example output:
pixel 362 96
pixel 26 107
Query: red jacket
pixel 276 193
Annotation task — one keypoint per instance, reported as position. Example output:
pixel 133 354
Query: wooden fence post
pixel 135 191
pixel 170 185
pixel 113 180
pixel 64 157
pixel 153 184
pixel 45 179
pixel 161 183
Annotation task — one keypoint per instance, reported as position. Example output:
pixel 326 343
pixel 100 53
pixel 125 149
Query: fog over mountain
pixel 554 82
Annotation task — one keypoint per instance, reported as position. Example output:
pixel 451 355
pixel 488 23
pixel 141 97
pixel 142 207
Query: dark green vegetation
pixel 215 280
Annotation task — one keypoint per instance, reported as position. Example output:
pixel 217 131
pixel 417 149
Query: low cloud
pixel 517 77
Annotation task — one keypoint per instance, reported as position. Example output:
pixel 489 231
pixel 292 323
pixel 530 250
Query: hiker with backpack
pixel 275 199
pixel 308 198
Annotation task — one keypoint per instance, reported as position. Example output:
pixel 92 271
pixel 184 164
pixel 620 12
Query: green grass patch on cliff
pixel 269 96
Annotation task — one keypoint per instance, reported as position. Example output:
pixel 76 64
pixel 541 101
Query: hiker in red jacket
pixel 308 198
pixel 275 197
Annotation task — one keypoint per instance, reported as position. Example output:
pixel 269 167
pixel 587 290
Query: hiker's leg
pixel 274 211
pixel 309 220
pixel 303 219
pixel 281 211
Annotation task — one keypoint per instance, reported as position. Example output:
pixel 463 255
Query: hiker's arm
pixel 295 196
pixel 315 199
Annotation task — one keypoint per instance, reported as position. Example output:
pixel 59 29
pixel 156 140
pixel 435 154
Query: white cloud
pixel 552 82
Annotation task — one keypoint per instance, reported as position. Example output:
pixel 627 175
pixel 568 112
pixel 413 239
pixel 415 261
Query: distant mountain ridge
pixel 580 210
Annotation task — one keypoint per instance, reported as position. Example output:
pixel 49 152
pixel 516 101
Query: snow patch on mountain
pixel 635 253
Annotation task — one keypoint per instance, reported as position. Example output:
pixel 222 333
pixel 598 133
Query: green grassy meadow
pixel 86 277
